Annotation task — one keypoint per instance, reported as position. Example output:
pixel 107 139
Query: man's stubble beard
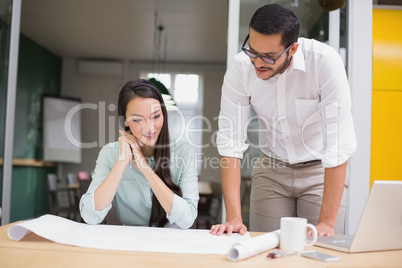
pixel 280 69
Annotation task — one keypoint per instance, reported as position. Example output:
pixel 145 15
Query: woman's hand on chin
pixel 134 148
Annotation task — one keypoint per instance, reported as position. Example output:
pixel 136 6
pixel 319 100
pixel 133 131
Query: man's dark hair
pixel 276 19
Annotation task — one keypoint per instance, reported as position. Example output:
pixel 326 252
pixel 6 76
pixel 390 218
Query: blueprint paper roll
pixel 254 246
pixel 123 237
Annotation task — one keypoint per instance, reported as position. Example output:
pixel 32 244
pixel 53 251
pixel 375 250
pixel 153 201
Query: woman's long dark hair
pixel 145 89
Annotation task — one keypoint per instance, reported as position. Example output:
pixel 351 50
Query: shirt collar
pixel 298 60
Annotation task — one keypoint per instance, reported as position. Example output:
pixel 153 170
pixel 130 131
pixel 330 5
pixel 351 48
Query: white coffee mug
pixel 294 232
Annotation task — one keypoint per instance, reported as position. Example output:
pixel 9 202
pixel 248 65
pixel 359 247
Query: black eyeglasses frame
pixel 265 59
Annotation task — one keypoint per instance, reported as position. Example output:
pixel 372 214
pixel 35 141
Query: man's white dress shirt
pixel 304 113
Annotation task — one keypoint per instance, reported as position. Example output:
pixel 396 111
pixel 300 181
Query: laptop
pixel 380 226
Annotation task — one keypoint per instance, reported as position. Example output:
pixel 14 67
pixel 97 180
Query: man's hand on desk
pixel 322 230
pixel 232 226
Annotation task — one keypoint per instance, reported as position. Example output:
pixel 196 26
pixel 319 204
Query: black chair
pixel 74 190
pixel 84 180
pixel 112 218
pixel 55 205
pixel 209 207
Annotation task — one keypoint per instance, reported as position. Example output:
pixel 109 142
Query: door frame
pixel 10 111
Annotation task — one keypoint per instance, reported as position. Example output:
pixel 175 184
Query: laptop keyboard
pixel 344 241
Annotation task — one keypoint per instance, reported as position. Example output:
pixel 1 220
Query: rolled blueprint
pixel 254 246
pixel 123 237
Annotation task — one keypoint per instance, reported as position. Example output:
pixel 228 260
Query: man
pixel 300 93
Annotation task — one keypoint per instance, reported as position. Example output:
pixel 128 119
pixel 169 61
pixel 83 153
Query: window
pixel 186 88
pixel 163 78
pixel 183 87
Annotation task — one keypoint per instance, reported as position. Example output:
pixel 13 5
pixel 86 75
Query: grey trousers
pixel 282 190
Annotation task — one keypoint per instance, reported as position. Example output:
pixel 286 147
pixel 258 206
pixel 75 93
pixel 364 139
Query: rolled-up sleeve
pixel 336 111
pixel 87 203
pixel 185 175
pixel 235 109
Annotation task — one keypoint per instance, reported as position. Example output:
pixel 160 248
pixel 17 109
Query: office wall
pixel 386 144
pixel 213 80
pixel 38 72
pixel 100 92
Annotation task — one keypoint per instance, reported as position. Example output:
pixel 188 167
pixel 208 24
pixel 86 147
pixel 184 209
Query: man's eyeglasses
pixel 265 59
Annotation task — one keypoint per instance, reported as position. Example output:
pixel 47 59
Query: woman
pixel 151 180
